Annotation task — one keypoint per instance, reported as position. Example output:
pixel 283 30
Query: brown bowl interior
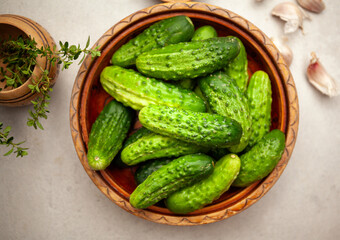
pixel 94 98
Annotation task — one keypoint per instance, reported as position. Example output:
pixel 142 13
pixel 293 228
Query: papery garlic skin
pixel 285 51
pixel 320 79
pixel 292 14
pixel 316 6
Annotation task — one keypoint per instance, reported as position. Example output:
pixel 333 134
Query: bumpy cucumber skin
pixel 155 146
pixel 261 159
pixel 133 138
pixel 259 95
pixel 225 98
pixel 203 33
pixel 137 91
pixel 149 167
pixel 188 60
pixel 107 134
pixel 238 68
pixel 177 174
pixel 207 190
pixel 211 130
pixel 168 31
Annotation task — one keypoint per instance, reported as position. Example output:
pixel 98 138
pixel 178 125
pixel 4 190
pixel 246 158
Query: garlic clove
pixel 284 49
pixel 292 14
pixel 316 6
pixel 320 79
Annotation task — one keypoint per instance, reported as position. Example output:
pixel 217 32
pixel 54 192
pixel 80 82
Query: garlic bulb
pixel 284 49
pixel 292 14
pixel 316 6
pixel 320 79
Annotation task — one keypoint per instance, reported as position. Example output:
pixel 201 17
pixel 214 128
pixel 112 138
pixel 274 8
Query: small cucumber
pixel 188 60
pixel 137 91
pixel 149 167
pixel 259 95
pixel 204 32
pixel 168 31
pixel 261 159
pixel 226 99
pixel 198 195
pixel 154 146
pixel 238 68
pixel 107 134
pixel 211 130
pixel 177 174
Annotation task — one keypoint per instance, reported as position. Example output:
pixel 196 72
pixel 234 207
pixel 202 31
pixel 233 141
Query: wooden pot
pixel 88 99
pixel 14 26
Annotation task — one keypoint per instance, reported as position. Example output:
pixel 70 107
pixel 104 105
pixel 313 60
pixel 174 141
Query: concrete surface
pixel 48 195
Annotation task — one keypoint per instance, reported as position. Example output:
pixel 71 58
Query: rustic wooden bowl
pixel 14 26
pixel 88 99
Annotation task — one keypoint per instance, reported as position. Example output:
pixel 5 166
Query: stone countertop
pixel 48 195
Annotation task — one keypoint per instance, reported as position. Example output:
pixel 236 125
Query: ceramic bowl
pixel 14 26
pixel 88 99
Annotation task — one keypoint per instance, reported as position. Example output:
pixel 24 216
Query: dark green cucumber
pixel 168 31
pixel 238 68
pixel 204 32
pixel 107 134
pixel 188 60
pixel 198 195
pixel 177 174
pixel 133 138
pixel 259 161
pixel 226 99
pixel 259 95
pixel 149 167
pixel 153 146
pixel 204 129
pixel 137 91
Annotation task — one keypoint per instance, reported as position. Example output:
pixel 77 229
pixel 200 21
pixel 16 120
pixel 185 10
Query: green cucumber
pixel 238 68
pixel 204 32
pixel 177 174
pixel 149 167
pixel 259 95
pixel 204 129
pixel 226 99
pixel 198 195
pixel 107 134
pixel 188 60
pixel 154 146
pixel 137 91
pixel 259 161
pixel 168 31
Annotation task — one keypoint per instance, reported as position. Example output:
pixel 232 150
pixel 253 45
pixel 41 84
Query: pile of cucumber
pixel 204 127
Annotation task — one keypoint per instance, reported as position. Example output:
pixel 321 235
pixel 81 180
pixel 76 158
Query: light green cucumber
pixel 137 91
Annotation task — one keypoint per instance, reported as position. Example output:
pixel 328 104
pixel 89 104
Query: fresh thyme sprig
pixel 21 55
pixel 8 142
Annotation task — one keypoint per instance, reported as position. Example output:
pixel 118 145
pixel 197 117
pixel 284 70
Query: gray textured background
pixel 48 195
